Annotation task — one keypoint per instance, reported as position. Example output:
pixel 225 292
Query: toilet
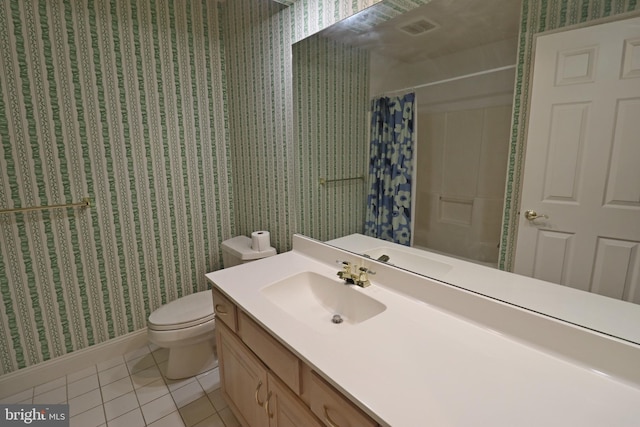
pixel 186 326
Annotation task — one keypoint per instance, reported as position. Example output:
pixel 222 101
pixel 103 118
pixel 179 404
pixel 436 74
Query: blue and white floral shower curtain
pixel 391 169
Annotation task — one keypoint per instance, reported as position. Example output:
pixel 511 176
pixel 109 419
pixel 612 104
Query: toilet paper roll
pixel 260 241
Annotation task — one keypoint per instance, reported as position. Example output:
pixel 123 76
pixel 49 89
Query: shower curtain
pixel 390 169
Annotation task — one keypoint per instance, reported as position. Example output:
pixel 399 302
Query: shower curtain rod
pixel 452 79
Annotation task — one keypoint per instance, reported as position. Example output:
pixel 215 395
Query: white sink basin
pixel 315 299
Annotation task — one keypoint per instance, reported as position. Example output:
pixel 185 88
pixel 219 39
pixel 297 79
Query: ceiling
pixel 459 25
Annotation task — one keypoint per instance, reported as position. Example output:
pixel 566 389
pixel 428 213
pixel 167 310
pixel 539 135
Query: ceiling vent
pixel 418 28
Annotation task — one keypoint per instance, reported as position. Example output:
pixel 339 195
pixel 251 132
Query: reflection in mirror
pixel 330 85
pixel 462 124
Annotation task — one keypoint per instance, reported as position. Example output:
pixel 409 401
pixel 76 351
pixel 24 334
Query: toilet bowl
pixel 186 326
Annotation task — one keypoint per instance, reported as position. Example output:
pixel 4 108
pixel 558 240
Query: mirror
pixel 338 71
pixel 462 125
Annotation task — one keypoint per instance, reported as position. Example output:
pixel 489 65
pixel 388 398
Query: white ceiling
pixel 460 25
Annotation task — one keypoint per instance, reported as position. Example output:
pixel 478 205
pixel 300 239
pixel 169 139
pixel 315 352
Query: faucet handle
pixel 363 277
pixel 346 266
pixel 346 273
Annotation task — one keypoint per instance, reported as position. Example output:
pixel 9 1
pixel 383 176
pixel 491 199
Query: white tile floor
pixel 132 391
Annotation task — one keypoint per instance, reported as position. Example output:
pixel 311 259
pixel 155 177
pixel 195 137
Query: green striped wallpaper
pixel 121 101
pixel 257 41
pixel 258 38
pixel 142 106
pixel 538 16
pixel 330 100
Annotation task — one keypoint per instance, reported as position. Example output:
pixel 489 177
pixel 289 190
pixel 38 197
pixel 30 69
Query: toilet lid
pixel 186 311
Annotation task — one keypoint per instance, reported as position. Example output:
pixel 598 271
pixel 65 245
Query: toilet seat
pixel 185 312
pixel 184 336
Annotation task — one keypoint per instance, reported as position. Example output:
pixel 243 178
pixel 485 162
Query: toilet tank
pixel 237 250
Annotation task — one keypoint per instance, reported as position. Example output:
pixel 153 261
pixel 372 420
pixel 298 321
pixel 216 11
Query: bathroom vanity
pixel 407 351
pixel 267 384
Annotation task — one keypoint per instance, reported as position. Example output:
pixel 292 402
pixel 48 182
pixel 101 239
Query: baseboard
pixel 41 373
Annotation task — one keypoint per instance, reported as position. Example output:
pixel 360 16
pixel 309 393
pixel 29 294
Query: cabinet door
pixel 333 408
pixel 243 379
pixel 286 409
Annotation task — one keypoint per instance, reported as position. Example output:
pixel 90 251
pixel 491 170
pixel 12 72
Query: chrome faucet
pixel 359 277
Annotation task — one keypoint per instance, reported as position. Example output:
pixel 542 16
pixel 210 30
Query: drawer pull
pixel 266 406
pixel 220 309
pixel 327 418
pixel 258 391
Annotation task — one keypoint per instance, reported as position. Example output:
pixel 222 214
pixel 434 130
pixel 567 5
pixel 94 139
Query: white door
pixel 582 164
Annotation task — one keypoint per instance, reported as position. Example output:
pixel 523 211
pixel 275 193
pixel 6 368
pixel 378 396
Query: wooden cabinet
pixel 243 379
pixel 256 396
pixel 266 385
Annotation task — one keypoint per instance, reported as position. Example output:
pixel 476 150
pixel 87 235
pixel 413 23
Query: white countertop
pixel 418 364
pixel 608 315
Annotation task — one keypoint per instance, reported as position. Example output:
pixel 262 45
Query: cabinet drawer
pixel 279 360
pixel 332 407
pixel 225 310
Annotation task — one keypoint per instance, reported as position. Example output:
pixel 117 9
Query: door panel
pixel 624 171
pixel 568 124
pixel 616 269
pixel 552 255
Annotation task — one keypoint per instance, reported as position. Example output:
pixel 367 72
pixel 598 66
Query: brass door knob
pixel 531 215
